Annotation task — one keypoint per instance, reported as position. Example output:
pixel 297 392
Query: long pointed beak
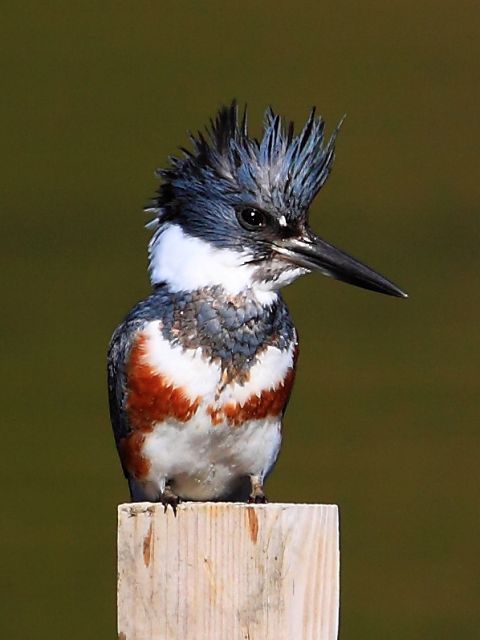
pixel 313 253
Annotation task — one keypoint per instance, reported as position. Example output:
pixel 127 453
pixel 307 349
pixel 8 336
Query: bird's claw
pixel 169 498
pixel 257 496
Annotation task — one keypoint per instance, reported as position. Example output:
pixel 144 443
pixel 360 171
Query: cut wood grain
pixel 223 571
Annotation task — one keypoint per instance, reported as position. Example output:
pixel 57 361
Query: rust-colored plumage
pixel 151 398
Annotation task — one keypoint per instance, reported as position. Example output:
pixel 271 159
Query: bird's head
pixel 233 211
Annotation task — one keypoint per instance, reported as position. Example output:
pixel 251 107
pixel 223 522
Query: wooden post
pixel 223 571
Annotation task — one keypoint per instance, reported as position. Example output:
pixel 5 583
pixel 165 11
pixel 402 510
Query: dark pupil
pixel 253 217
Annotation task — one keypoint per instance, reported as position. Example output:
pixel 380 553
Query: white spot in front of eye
pixel 282 221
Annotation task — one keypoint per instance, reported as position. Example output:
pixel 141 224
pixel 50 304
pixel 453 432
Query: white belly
pixel 205 462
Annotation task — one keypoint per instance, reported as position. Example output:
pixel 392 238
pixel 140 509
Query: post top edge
pixel 134 508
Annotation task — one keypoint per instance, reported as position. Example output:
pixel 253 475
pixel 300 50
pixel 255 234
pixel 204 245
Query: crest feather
pixel 283 170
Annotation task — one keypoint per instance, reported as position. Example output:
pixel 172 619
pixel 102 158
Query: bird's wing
pixel 118 354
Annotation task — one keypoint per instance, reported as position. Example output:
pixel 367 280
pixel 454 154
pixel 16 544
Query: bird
pixel 200 372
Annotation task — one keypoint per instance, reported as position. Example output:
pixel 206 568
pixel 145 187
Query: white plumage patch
pixel 187 263
pixel 267 373
pixel 183 368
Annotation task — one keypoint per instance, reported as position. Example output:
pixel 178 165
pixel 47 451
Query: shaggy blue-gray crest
pixel 200 372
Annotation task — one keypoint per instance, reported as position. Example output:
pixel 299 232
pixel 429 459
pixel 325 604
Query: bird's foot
pixel 257 495
pixel 169 498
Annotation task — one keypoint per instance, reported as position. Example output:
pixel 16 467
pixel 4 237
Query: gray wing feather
pixel 117 359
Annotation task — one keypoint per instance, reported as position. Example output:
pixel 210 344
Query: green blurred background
pixel 383 419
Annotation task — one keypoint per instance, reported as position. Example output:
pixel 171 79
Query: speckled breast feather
pixel 230 330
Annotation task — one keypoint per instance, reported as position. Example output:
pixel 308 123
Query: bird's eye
pixel 252 219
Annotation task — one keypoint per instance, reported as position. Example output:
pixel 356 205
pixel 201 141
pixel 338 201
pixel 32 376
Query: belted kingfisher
pixel 200 372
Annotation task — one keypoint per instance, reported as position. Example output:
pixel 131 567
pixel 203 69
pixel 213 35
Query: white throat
pixel 186 263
